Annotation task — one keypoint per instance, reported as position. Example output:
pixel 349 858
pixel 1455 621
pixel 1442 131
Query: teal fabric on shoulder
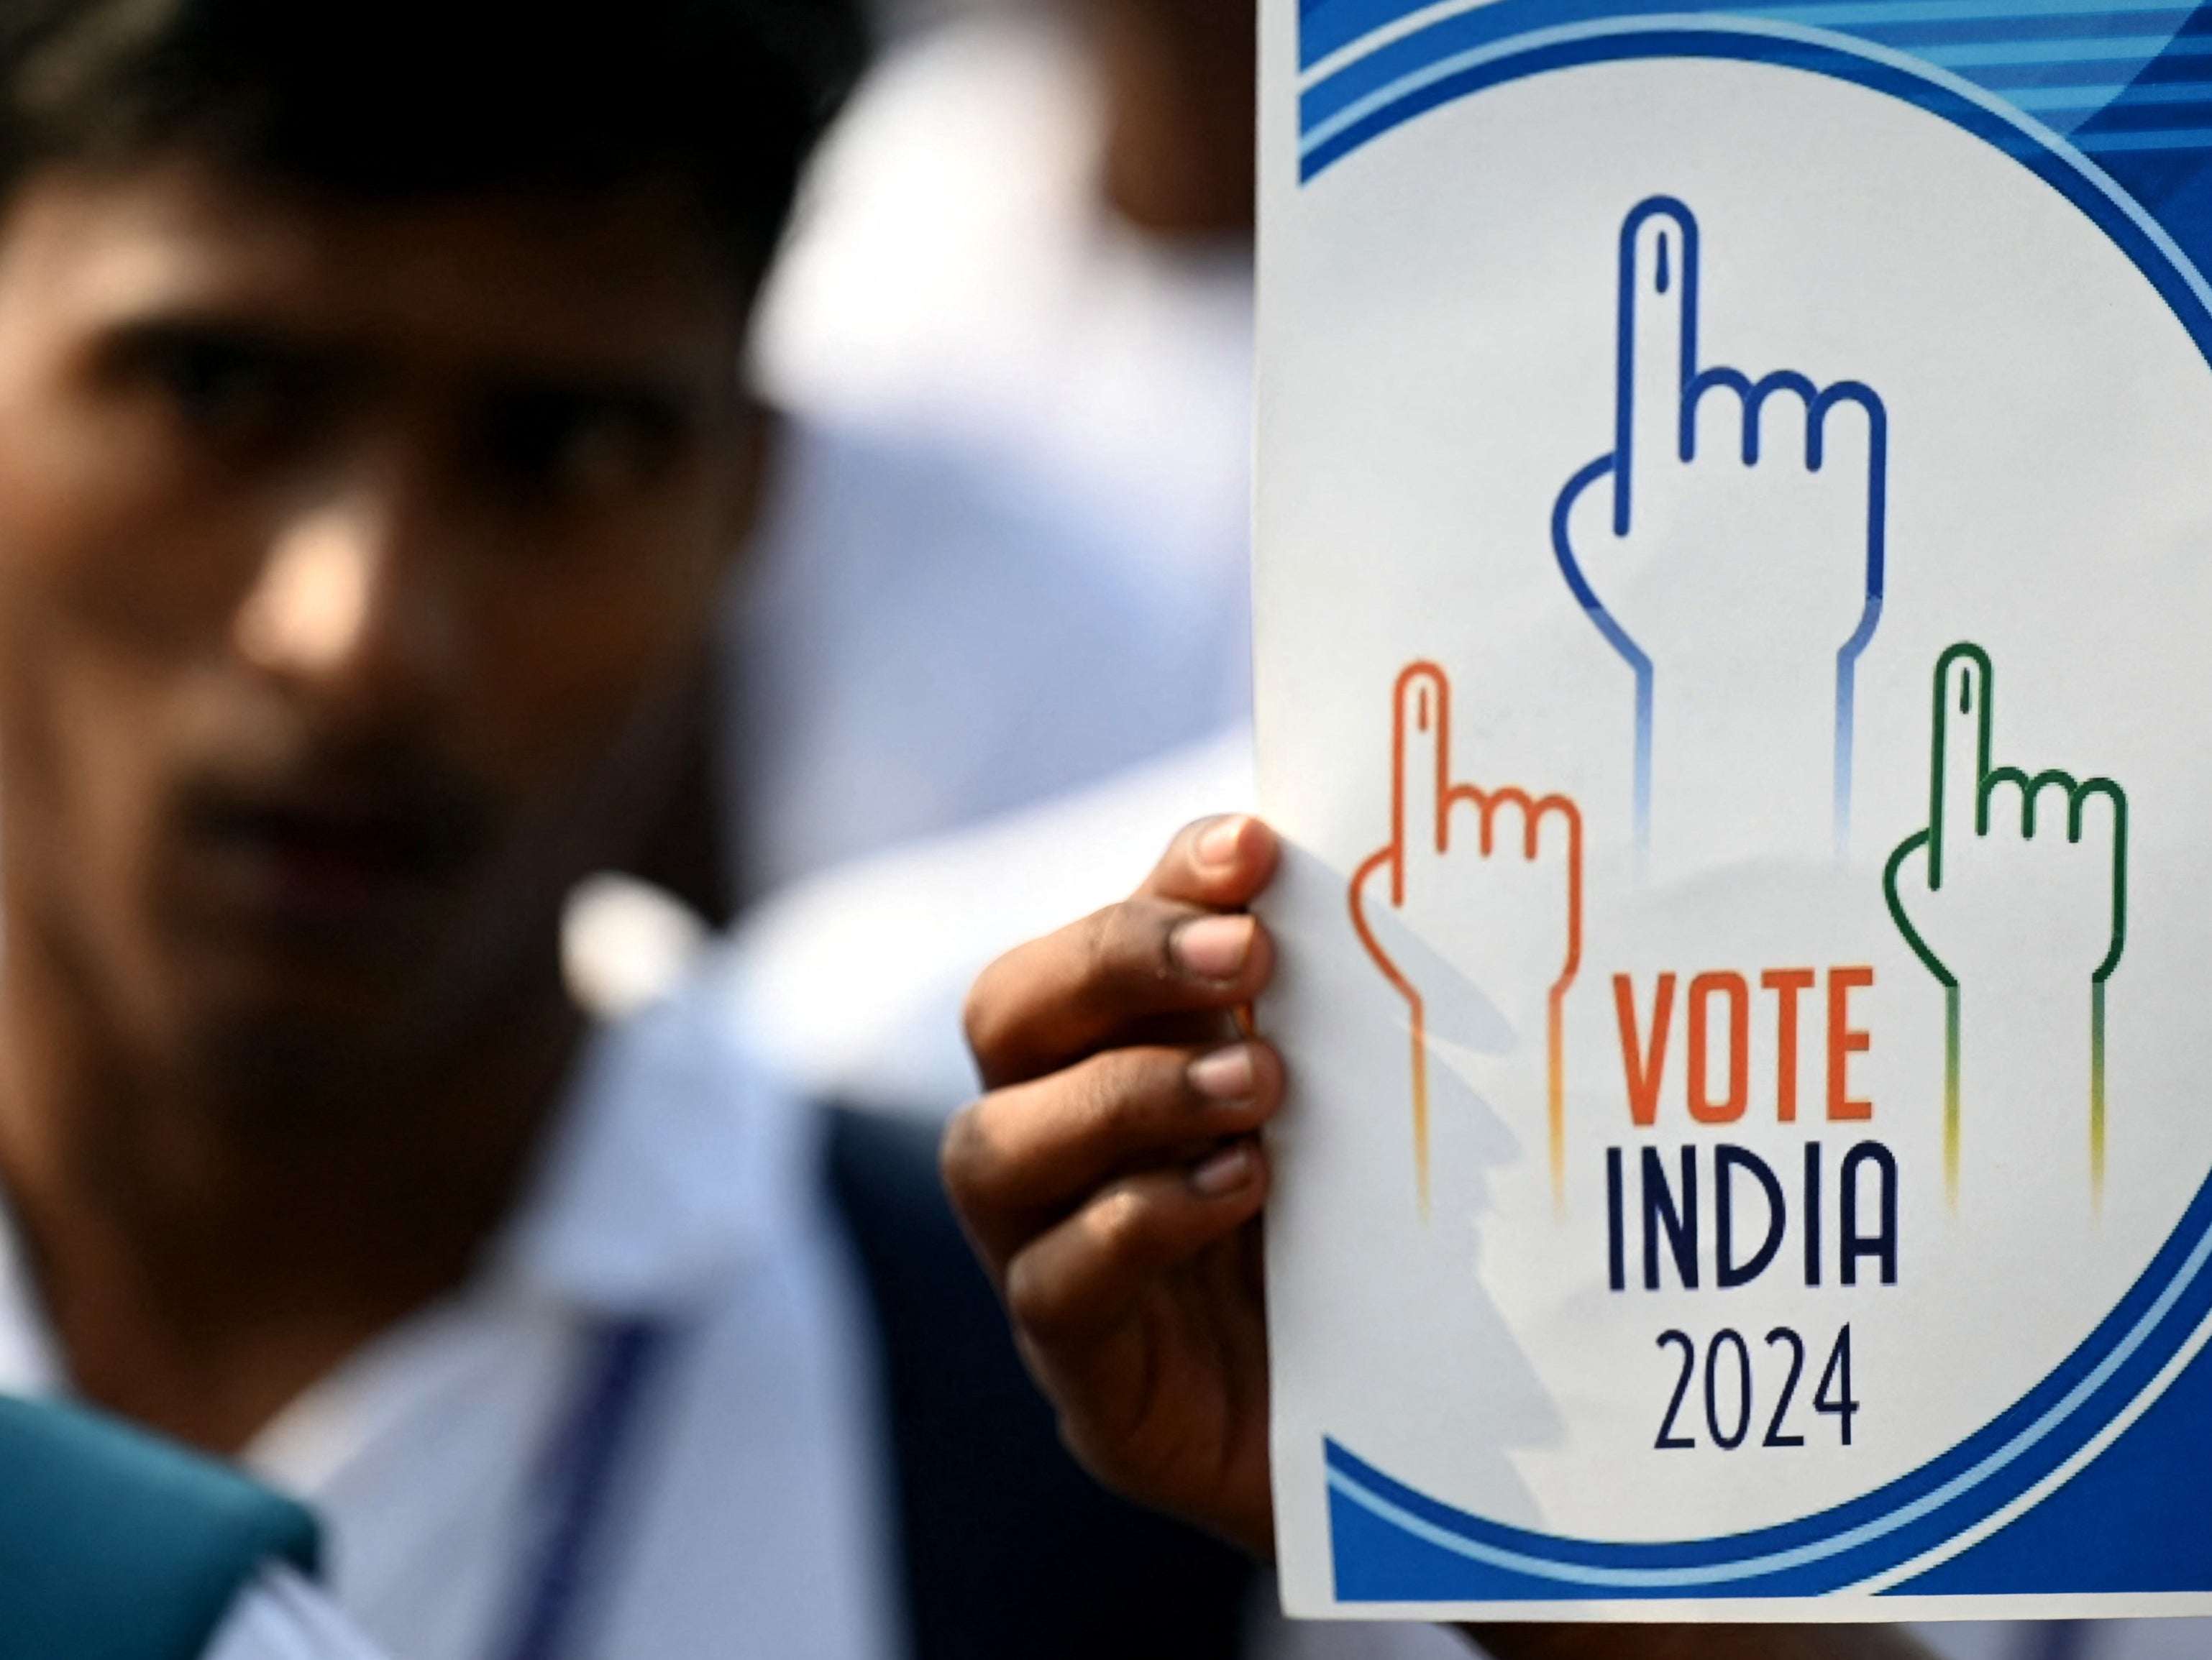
pixel 115 1545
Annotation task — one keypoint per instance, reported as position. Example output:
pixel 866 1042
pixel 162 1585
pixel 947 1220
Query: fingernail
pixel 1217 844
pixel 1225 1173
pixel 1214 948
pixel 1224 1075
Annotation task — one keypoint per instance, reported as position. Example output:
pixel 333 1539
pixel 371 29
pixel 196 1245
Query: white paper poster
pixel 1734 610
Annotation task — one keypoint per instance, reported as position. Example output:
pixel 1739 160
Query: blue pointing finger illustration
pixel 1728 508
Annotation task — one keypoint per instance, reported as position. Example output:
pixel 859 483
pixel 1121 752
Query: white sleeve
pixel 281 1616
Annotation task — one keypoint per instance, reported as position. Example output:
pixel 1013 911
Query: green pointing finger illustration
pixel 1971 814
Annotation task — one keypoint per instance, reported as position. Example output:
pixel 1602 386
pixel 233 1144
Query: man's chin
pixel 277 974
pixel 318 1013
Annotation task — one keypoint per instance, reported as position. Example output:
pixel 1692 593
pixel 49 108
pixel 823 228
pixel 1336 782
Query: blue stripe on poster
pixel 2098 51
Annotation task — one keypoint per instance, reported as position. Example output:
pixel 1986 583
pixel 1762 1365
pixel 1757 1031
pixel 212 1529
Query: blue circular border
pixel 1840 58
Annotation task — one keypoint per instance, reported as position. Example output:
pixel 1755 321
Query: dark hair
pixel 405 99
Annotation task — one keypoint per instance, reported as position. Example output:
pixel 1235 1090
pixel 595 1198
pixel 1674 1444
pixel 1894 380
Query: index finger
pixel 1420 758
pixel 1964 706
pixel 1169 950
pixel 1658 324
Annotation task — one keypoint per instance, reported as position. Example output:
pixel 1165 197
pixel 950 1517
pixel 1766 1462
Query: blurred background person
pixel 1012 340
pixel 1023 262
pixel 1006 555
pixel 1030 242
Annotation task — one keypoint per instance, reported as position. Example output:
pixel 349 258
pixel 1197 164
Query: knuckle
pixel 960 1154
pixel 1120 1086
pixel 1106 1459
pixel 1124 1225
pixel 1095 935
pixel 987 1019
pixel 1135 941
pixel 982 1157
pixel 1035 1303
pixel 1082 1442
pixel 975 1022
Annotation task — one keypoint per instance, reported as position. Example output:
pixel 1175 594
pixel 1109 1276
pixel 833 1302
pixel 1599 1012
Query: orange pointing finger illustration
pixel 1459 871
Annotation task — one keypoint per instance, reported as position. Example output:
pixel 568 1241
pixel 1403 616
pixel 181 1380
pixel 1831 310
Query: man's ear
pixel 755 461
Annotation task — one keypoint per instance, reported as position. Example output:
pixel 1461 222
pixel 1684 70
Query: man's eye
pixel 587 446
pixel 226 389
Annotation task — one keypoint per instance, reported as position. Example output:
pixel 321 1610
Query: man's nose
pixel 353 608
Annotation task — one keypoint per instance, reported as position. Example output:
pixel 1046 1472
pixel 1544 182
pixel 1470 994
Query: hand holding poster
pixel 1732 586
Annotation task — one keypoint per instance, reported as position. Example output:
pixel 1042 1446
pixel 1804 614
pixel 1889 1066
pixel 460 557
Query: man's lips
pixel 332 857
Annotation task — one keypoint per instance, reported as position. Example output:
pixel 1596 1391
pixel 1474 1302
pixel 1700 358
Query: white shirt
pixel 280 1616
pixel 755 1517
pixel 752 1518
pixel 755 1520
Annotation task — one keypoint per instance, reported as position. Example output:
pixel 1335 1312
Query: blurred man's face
pixel 352 558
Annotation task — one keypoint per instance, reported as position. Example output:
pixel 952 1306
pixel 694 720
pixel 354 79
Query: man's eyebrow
pixel 133 342
pixel 656 394
pixel 672 400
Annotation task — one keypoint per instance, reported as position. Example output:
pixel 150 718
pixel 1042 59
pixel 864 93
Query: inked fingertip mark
pixel 1666 271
